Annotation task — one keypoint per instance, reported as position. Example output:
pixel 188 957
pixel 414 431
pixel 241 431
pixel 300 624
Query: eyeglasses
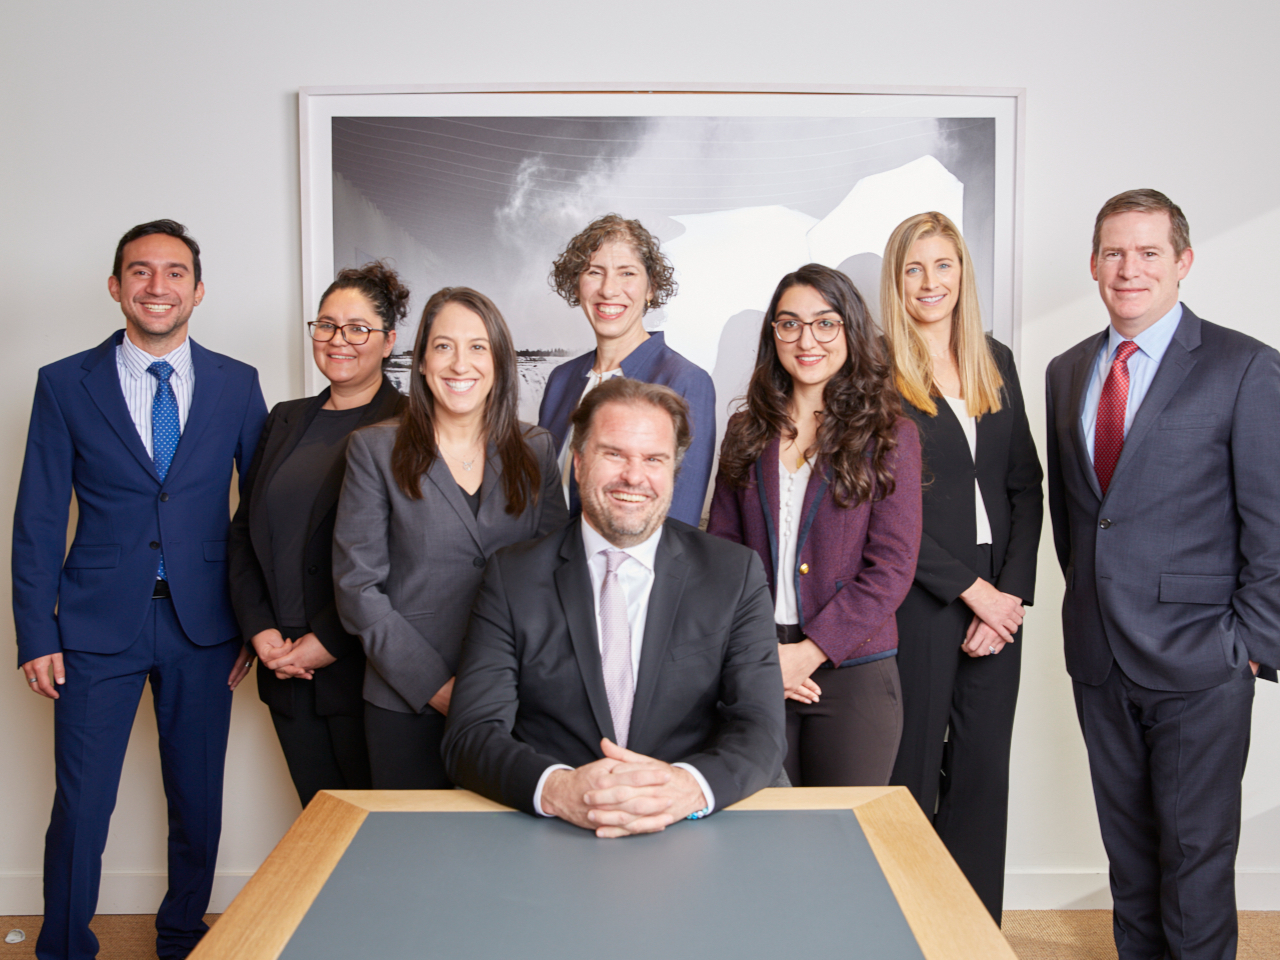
pixel 354 333
pixel 823 330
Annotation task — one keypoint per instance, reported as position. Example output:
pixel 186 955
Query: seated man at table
pixel 621 673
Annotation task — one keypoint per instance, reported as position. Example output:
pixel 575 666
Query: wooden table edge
pixel 945 915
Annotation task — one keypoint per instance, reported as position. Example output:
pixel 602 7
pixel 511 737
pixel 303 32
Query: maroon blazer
pixel 854 565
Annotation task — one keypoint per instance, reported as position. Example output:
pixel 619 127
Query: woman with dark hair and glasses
pixel 820 475
pixel 310 670
pixel 615 272
pixel 425 502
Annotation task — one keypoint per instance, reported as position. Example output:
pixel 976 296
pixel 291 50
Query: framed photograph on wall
pixel 483 187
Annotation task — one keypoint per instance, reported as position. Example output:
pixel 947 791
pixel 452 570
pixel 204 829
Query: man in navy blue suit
pixel 144 428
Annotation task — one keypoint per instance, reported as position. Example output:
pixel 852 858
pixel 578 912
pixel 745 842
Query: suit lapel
pixel 573 585
pixel 293 429
pixel 670 572
pixel 767 483
pixel 491 503
pixel 1079 385
pixel 1174 367
pixel 103 385
pixel 209 382
pixel 440 475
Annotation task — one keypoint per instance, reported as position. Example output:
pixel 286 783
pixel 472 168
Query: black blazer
pixel 337 686
pixel 530 688
pixel 1009 476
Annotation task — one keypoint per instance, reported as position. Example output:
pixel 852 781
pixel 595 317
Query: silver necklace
pixel 466 464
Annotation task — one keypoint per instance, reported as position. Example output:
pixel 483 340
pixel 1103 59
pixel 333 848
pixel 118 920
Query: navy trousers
pixel 1166 769
pixel 92 720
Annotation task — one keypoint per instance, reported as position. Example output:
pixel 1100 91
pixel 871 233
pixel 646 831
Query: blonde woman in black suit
pixel 957 629
pixel 427 499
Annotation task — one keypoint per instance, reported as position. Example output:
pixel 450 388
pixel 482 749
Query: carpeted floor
pixel 1034 934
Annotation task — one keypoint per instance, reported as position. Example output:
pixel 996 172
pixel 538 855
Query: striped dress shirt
pixel 139 387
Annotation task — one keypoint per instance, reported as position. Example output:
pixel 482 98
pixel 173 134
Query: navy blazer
pixel 83 439
pixel 1174 573
pixel 653 362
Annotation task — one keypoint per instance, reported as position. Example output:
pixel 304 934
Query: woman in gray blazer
pixel 426 500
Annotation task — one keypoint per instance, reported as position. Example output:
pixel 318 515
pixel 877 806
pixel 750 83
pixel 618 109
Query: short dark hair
pixel 624 390
pixel 170 228
pixel 573 262
pixel 380 285
pixel 1145 200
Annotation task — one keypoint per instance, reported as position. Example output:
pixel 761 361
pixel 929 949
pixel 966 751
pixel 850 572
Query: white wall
pixel 117 113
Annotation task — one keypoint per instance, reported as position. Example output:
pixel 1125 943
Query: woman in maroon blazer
pixel 820 475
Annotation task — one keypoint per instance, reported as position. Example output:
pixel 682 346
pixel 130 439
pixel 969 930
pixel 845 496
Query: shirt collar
pixel 1154 340
pixel 136 360
pixel 646 552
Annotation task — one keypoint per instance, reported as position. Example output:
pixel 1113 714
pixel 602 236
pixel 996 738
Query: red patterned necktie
pixel 1108 434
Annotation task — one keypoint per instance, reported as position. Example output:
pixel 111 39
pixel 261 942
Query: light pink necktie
pixel 1108 432
pixel 615 646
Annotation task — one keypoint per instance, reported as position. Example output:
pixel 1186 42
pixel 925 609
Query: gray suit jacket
pixel 405 571
pixel 530 691
pixel 1175 573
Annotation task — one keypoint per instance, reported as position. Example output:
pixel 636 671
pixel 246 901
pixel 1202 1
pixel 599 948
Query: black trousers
pixel 404 749
pixel 957 728
pixel 1166 769
pixel 323 752
pixel 850 736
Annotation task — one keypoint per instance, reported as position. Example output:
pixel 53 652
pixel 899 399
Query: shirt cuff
pixel 537 793
pixel 702 782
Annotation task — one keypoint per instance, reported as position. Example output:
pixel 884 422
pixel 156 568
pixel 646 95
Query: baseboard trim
pixel 22 894
pixel 1091 890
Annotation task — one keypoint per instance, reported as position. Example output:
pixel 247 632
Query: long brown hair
pixel 415 448
pixel 980 379
pixel 856 432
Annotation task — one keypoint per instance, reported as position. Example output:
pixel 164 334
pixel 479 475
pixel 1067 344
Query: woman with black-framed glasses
pixel 820 475
pixel 310 670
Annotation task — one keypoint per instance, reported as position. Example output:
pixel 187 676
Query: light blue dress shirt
pixel 1152 343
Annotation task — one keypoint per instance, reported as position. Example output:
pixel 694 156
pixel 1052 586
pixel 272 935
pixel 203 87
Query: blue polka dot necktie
pixel 165 429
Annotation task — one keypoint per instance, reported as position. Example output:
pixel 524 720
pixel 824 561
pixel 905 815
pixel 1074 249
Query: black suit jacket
pixel 530 690
pixel 1009 475
pixel 1175 573
pixel 337 686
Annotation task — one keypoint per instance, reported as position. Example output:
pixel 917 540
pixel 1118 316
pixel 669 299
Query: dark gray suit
pixel 530 691
pixel 1173 585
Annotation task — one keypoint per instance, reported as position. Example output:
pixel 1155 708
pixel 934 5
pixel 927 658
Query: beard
pixel 620 526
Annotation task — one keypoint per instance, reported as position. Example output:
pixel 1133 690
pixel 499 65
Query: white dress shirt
pixel 635 576
pixel 139 387
pixel 566 452
pixel 791 490
pixel 970 427
pixel 1143 363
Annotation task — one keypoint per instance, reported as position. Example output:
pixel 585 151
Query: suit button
pixel 313 569
pixel 804 568
pixel 1105 524
pixel 478 562
pixel 164 498
pixel 155 545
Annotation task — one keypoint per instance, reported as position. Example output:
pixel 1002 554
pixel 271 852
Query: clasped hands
pixel 623 793
pixel 997 617
pixel 291 658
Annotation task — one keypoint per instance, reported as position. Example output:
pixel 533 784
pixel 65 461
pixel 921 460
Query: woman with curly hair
pixel 820 475
pixel 310 670
pixel 615 272
pixel 982 515
pixel 427 500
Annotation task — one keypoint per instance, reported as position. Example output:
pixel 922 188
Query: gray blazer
pixel 1175 573
pixel 406 571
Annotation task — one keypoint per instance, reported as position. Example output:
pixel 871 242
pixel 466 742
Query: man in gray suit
pixel 1164 490
pixel 621 673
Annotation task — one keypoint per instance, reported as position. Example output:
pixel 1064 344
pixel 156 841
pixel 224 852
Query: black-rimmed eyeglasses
pixel 354 333
pixel 824 330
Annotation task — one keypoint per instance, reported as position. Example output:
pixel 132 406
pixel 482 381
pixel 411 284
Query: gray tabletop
pixel 749 884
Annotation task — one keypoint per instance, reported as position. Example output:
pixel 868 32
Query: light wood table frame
pixel 946 916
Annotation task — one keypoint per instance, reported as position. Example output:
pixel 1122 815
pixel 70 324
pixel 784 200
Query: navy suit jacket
pixel 1174 573
pixel 83 439
pixel 653 362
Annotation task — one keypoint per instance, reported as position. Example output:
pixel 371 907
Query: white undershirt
pixel 970 427
pixel 566 452
pixel 791 491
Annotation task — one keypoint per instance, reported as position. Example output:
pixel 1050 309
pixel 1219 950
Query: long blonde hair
pixel 980 378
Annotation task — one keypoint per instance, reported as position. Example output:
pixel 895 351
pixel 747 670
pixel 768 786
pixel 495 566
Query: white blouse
pixel 791 490
pixel 970 427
